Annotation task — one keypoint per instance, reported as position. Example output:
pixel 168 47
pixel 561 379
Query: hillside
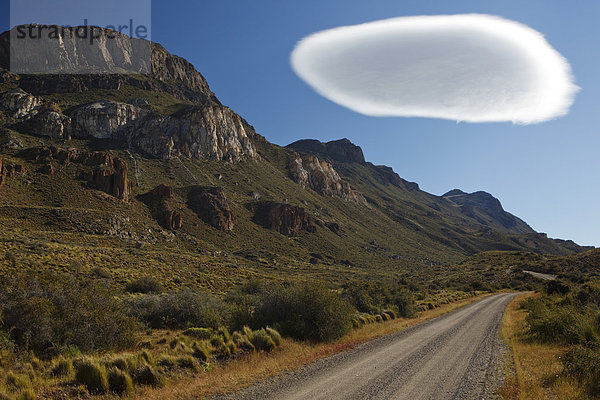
pixel 151 175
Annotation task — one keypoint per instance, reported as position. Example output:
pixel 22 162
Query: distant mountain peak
pixel 487 210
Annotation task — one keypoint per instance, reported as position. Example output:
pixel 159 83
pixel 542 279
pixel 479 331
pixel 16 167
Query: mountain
pixel 487 210
pixel 151 175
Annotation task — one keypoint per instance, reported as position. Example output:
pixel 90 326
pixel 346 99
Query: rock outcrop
pixel 105 119
pixel 163 206
pixel 286 219
pixel 8 169
pixel 19 103
pixel 108 173
pixel 212 207
pixel 50 123
pixel 112 178
pixel 341 150
pixel 320 176
pixel 46 154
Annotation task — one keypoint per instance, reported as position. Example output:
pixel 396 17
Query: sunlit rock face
pixel 211 132
pixel 19 103
pixel 320 176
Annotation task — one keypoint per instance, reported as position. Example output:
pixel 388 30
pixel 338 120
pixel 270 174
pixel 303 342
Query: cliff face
pixel 210 132
pixel 320 176
pixel 343 151
pixel 113 61
pixel 205 130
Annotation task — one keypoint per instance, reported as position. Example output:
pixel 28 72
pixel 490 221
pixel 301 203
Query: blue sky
pixel 546 174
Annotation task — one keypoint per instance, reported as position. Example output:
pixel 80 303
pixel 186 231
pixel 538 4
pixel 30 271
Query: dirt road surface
pixel 457 356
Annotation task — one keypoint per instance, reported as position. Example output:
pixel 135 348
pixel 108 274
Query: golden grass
pixel 533 370
pixel 292 355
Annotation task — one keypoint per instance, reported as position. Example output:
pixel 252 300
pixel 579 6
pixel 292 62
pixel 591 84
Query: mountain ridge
pixel 137 159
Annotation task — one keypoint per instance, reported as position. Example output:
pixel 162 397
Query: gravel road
pixel 457 356
pixel 546 277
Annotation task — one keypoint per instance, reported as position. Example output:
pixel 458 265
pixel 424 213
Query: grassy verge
pixel 291 355
pixel 534 370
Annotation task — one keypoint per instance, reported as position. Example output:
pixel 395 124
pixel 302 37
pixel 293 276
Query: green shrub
pixel 179 310
pixel 556 287
pixel 305 312
pixel 583 364
pixel 221 351
pixel 49 312
pixel 146 375
pixel 552 320
pixel 92 375
pixel 198 333
pixel 63 368
pixel 144 285
pixel 216 340
pixel 173 343
pixel 119 382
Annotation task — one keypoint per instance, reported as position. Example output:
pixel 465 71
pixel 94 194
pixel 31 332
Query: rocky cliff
pixel 343 151
pixel 204 129
pixel 310 172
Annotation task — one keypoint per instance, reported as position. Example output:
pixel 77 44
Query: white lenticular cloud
pixel 472 67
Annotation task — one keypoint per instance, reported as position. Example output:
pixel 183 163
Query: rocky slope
pixel 158 160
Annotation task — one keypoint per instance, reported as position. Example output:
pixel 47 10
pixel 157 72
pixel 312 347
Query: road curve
pixel 455 356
